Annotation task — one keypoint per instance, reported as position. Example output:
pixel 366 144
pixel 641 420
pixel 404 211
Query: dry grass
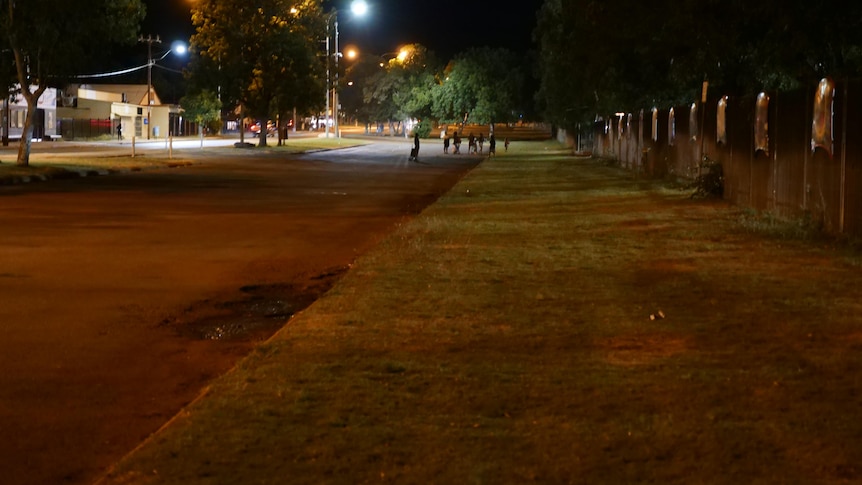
pixel 54 166
pixel 505 336
pixel 44 166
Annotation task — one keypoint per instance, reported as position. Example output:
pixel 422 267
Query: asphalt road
pixel 122 296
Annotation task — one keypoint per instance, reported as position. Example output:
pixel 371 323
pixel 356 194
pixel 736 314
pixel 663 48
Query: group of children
pixel 475 145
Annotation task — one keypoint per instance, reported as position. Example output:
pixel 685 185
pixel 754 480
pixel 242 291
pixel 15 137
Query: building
pixel 14 111
pixel 106 106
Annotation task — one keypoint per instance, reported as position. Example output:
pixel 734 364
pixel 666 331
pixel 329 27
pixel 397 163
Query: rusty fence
pixel 793 154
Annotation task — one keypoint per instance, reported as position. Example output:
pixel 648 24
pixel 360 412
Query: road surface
pixel 122 296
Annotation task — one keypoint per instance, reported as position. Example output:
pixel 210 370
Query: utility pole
pixel 6 120
pixel 149 41
pixel 335 90
pixel 329 18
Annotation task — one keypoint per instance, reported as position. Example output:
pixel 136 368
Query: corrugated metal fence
pixel 794 154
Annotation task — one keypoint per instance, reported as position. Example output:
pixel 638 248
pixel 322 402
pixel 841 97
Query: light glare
pixel 179 48
pixel 359 8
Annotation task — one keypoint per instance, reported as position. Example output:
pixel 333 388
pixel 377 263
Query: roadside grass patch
pixel 304 144
pixel 548 320
pixel 46 168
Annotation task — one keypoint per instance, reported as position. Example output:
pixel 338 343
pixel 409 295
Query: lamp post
pixel 359 8
pixel 6 119
pixel 150 41
pixel 177 47
pixel 333 14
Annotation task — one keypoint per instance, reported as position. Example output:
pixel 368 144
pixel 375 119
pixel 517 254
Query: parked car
pixel 270 127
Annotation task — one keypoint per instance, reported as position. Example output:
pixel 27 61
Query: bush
pixel 423 128
pixel 710 182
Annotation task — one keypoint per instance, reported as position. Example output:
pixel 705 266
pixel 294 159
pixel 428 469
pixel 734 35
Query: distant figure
pixel 492 146
pixel 481 141
pixel 471 144
pixel 119 131
pixel 457 141
pixel 446 144
pixel 414 153
pixel 506 143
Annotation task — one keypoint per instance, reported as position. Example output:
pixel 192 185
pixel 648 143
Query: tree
pixel 601 57
pixel 51 40
pixel 482 85
pixel 203 108
pixel 359 76
pixel 261 56
pixel 8 76
pixel 401 90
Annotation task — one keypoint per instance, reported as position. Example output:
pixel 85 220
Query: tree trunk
pixel 262 135
pixel 242 124
pixel 26 141
pixel 32 97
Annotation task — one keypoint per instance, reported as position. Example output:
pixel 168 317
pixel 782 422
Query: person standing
pixel 457 141
pixel 492 146
pixel 506 144
pixel 481 141
pixel 119 131
pixel 415 152
pixel 446 144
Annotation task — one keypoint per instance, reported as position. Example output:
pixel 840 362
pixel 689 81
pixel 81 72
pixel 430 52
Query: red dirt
pixel 122 296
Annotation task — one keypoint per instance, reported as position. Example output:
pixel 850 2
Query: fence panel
pixel 852 215
pixel 71 129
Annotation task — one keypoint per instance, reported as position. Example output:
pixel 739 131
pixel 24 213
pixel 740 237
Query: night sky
pixel 442 26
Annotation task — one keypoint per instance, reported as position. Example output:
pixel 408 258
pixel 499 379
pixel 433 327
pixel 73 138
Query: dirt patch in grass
pixel 551 320
pixel 258 314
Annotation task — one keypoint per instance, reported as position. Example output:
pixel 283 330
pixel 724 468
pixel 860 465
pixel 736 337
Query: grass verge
pixel 71 167
pixel 50 166
pixel 549 320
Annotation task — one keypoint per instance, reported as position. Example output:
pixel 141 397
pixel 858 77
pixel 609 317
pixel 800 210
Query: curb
pixel 58 173
pixel 61 174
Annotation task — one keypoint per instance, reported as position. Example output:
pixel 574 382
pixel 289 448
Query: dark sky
pixel 445 27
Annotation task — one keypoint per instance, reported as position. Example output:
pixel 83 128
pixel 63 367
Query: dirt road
pixel 122 296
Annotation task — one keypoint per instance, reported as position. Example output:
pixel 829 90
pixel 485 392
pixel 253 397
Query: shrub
pixel 423 128
pixel 710 182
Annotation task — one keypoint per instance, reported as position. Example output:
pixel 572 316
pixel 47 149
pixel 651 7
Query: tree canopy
pixel 600 56
pixel 481 85
pixel 401 87
pixel 261 56
pixel 204 108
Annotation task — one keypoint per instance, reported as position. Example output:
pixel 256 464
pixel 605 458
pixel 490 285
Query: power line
pixel 109 74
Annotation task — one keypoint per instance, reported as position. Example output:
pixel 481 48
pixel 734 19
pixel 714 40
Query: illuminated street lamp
pixel 177 47
pixel 359 8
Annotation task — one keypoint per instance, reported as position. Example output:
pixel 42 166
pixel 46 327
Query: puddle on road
pixel 257 314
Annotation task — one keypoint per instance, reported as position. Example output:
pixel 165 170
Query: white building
pixel 124 105
pixel 91 110
pixel 14 112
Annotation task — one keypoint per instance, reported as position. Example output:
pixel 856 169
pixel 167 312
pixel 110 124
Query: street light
pixel 177 47
pixel 359 8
